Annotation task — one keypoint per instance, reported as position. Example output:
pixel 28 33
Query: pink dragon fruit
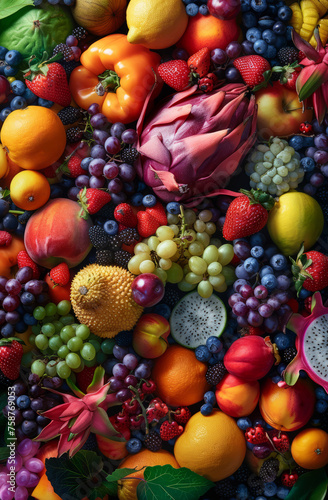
pixel 311 344
pixel 193 142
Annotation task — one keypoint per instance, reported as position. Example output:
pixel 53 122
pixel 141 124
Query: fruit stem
pixel 18 212
pixel 143 410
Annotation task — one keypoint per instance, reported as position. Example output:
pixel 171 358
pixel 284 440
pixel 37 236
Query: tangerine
pixel 34 137
pixel 29 190
pixel 180 377
pixel 310 448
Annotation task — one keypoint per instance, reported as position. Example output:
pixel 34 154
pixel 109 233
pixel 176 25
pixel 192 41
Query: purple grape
pixel 248 47
pixel 123 394
pixel 100 136
pixel 142 371
pixel 120 371
pixel 309 152
pixel 24 274
pixel 111 170
pixel 242 321
pixel 260 292
pixel 253 303
pixel 246 291
pixel 131 380
pixel 35 391
pixel 274 303
pixel 82 181
pixel 317 179
pixel 29 414
pixel 265 310
pixel 29 427
pixel 21 493
pixel 239 283
pixel 3 281
pixel 116 384
pixel 283 297
pixel 93 109
pixel 324 169
pixel 97 182
pixel 34 465
pixel 283 282
pixel 16 462
pixel 37 404
pixel 232 74
pixel 33 378
pixel 6 493
pixel 2 317
pixel 57 382
pixel 47 382
pixel 98 120
pixel 321 141
pixel 118 198
pixel 271 324
pixel 218 57
pixel 261 451
pixel 321 157
pixel 96 166
pixel 42 421
pixel 119 352
pixel 34 286
pixel 112 145
pixel 235 298
pixel 98 151
pixel 115 185
pixel 34 480
pixel 19 388
pixel 242 249
pixel 127 172
pixel 2 296
pixel 10 303
pixel 181 54
pixel 23 477
pixel 254 318
pixel 318 129
pixel 130 361
pixel 309 189
pixel 215 214
pixel 117 130
pixel 129 136
pixel 13 286
pixel 12 317
pixel 240 309
pixel 73 193
pixel 233 50
pixel 25 448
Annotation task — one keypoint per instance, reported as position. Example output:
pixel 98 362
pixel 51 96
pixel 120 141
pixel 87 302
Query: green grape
pixel 41 342
pixel 222 288
pixel 135 262
pixel 147 266
pixel 90 363
pixel 141 248
pixel 66 333
pixel 172 218
pixel 165 264
pixel 51 368
pixel 39 313
pixel 197 265
pixel 175 273
pixel 196 248
pixel 38 367
pixel 211 254
pixel 226 254
pixel 100 357
pixel 96 344
pixel 51 309
pixel 203 238
pixel 189 216
pixel 175 229
pixel 193 278
pixel 27 359
pixel 82 331
pixel 107 346
pixel 55 342
pixel 63 307
pixel 63 370
pixel 205 215
pixel 48 329
pixel 210 228
pixel 58 326
pixel 153 242
pixel 36 329
pixel 88 352
pixel 214 268
pixel 185 287
pixel 205 289
pixel 216 280
pixel 73 360
pixel 75 344
pixel 80 367
pixel 68 319
pixel 49 319
pixel 229 274
pixel 216 242
pixel 31 339
pixel 161 274
pixel 166 249
pixel 199 226
pixel 191 234
pixel 63 351
pixel 164 233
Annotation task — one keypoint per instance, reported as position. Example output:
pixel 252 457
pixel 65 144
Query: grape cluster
pixel 274 168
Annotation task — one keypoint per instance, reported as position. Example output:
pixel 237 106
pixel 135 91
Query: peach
pixel 287 408
pixel 56 233
pixel 150 334
pixel 115 450
pixel 8 256
pixel 236 396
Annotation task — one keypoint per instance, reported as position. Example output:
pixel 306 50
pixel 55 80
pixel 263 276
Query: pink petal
pixel 74 409
pixel 101 425
pixel 50 431
pixel 154 149
pixel 78 442
pixel 56 413
pixel 64 445
pixel 93 399
pixel 82 422
pixel 305 47
pixel 319 105
pixel 167 179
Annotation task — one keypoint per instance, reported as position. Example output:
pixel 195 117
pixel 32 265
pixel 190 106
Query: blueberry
pixel 136 199
pixel 206 409
pixel 23 402
pixel 308 164
pixel 192 9
pixel 13 57
pixel 281 367
pixel 29 96
pixel 18 87
pixel 272 11
pixel 269 281
pixel 278 262
pixel 266 22
pixel 259 6
pixel 163 310
pixel 265 270
pixel 149 200
pixel 285 13
pixel 282 492
pixel 9 70
pixel 85 162
pixel 10 222
pixel 214 344
pixel 111 227
pixel 269 251
pixel 173 207
pixel 321 405
pixel 245 5
pixel 134 445
pixel 309 141
pixel 202 353
pixel 276 379
pixel 257 239
pixel 18 103
pixel 242 492
pixel 3 52
pixel 270 489
pixel 203 10
pixel 283 282
pixel 253 34
pixel 20 229
pixel 282 341
pixel 4 207
pixel 186 2
pixel 251 265
pixel 296 142
pixel 209 397
pixel 45 103
pixel 249 20
pixel 257 252
pixel 289 33
pixel 20 327
pixel 269 37
pixel 260 47
pixel 321 393
pixel 243 423
pixel 7 330
pixel 304 294
pixel 279 28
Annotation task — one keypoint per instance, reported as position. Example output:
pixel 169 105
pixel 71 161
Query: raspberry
pixel 170 430
pixel 98 237
pixel 153 441
pixel 289 479
pixel 104 257
pixel 182 415
pixel 269 470
pixel 114 243
pixel 129 155
pixel 129 236
pixel 69 115
pixel 289 354
pixel 74 134
pixel 156 410
pixel 122 258
pixel 287 55
pixel 67 52
pixel 226 488
pixel 256 435
pixel 215 374
pixel 79 33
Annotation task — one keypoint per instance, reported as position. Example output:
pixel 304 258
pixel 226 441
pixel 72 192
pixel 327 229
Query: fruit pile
pixel 163 249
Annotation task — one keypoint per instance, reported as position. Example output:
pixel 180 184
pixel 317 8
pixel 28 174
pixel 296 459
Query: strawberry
pixel 159 213
pixel 74 167
pixel 170 430
pixel 289 75
pixel 200 62
pixel 182 415
pixel 256 435
pixel 280 441
pixel 11 353
pixel 289 478
pixel 5 238
pixel 60 274
pixel 92 200
pixel 252 68
pixel 47 79
pixel 124 214
pixel 247 214
pixel 306 128
pixel 175 73
pixel 24 260
pixel 310 270
pixel 147 224
pixel 85 377
pixel 156 410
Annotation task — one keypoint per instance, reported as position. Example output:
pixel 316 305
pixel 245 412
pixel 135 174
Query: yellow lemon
pixel 156 24
pixel 3 162
pixel 211 446
pixel 295 218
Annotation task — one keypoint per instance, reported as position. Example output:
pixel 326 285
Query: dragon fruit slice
pixel 311 344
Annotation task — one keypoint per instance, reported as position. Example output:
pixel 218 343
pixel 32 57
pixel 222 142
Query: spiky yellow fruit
pixel 101 297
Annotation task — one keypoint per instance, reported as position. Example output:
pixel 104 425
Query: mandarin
pixel 310 448
pixel 29 190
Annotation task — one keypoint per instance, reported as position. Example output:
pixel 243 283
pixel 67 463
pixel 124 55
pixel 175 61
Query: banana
pixel 297 17
pixel 320 7
pixel 310 19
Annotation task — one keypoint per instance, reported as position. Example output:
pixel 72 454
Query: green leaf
pixel 8 7
pixel 310 486
pixel 4 453
pixel 120 473
pixel 163 482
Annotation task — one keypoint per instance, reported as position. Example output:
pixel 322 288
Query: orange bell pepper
pixel 117 75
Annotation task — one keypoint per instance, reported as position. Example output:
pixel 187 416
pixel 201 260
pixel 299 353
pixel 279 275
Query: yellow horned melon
pixel 101 297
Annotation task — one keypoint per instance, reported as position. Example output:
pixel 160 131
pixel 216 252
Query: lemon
pixel 156 24
pixel 3 162
pixel 295 218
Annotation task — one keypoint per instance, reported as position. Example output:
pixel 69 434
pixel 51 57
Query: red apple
pixel 224 9
pixel 150 334
pixel 4 89
pixel 147 289
pixel 279 111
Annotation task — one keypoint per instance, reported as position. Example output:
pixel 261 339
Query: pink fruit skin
pixel 56 233
pixel 150 334
pixel 237 397
pixel 250 358
pixel 115 450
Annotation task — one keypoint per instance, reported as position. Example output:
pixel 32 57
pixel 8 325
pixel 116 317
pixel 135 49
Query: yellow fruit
pixel 297 17
pixel 320 7
pixel 323 32
pixel 295 218
pixel 211 446
pixel 101 297
pixel 29 190
pixel 3 162
pixel 310 448
pixel 156 24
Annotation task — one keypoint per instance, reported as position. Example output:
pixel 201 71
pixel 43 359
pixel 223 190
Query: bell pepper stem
pixel 109 82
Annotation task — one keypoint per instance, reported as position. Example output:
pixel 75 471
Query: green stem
pixel 18 212
pixel 109 82
pixel 143 410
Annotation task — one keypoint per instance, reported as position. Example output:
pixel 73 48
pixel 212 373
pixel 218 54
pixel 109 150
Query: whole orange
pixel 310 448
pixel 34 137
pixel 145 458
pixel 180 377
pixel 29 190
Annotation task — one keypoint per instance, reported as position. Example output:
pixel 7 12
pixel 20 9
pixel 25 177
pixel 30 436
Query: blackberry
pixel 69 115
pixel 129 236
pixel 5 381
pixel 74 134
pixel 79 33
pixel 289 354
pixel 226 488
pixel 121 258
pixel 69 66
pixel 124 338
pixel 67 52
pixel 91 443
pixel 104 257
pixel 106 212
pixel 241 474
pixel 172 295
pixel 129 155
pixel 322 195
pixel 287 55
pixel 255 484
pixel 215 374
pixel 269 470
pixel 114 243
pixel 300 470
pixel 153 441
pixel 23 218
pixel 98 237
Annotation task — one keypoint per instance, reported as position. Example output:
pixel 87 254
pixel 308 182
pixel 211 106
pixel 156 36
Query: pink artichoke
pixel 193 142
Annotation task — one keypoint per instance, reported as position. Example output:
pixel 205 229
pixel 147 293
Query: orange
pixel 211 446
pixel 8 256
pixel 145 458
pixel 310 448
pixel 180 377
pixel 29 190
pixel 34 137
pixel 13 169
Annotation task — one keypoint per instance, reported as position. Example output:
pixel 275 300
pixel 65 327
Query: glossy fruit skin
pixel 237 397
pixel 150 334
pixel 56 233
pixel 115 450
pixel 147 289
pixel 223 9
pixel 101 18
pixel 5 89
pixel 58 293
pixel 310 448
pixel 29 190
pixel 8 256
